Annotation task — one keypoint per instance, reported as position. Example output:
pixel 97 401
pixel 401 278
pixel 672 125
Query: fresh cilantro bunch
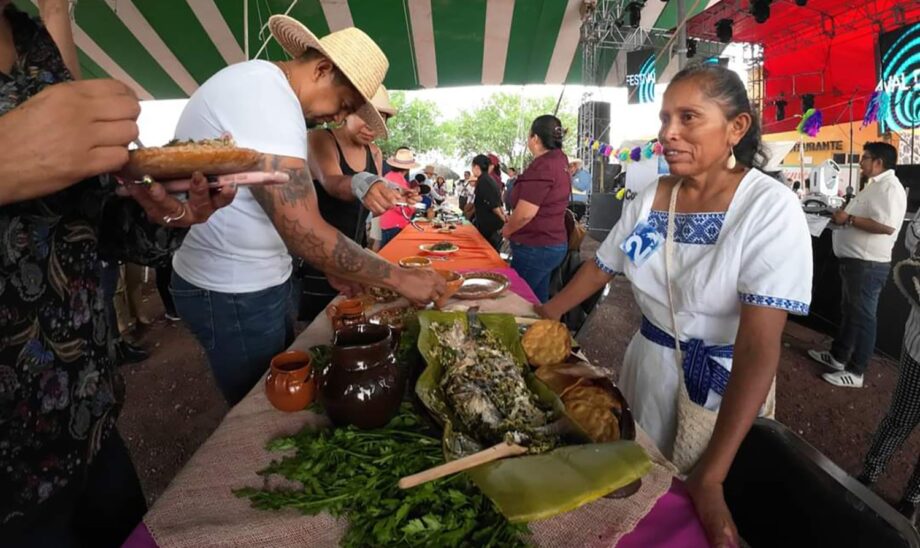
pixel 354 473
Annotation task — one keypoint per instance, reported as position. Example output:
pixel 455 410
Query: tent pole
pixel 246 27
pixel 850 159
pixel 681 35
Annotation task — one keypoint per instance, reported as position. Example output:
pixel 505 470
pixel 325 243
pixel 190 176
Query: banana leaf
pixel 529 487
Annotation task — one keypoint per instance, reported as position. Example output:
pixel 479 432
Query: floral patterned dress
pixel 59 391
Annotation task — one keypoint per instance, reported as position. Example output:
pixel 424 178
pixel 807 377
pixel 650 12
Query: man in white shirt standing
pixel 231 280
pixel 870 226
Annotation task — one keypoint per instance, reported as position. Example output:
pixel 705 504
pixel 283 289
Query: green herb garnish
pixel 354 473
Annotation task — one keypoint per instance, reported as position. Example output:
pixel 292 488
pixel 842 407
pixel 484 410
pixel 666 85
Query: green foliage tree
pixel 502 125
pixel 416 125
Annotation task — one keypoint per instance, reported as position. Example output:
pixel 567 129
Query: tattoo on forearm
pixel 346 257
pixel 349 257
pixel 293 193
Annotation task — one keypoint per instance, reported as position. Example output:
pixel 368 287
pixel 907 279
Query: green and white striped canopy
pixel 166 48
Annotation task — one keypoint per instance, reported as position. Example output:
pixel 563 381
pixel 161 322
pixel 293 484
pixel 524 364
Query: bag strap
pixel 668 252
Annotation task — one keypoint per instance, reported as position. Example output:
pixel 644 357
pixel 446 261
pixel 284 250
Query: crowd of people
pixel 717 254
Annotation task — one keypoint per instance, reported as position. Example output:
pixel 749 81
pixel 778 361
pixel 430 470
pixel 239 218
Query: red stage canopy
pixel 826 48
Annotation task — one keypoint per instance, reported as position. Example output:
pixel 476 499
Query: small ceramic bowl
pixel 454 281
pixel 415 262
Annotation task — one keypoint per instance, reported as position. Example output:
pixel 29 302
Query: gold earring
pixel 730 164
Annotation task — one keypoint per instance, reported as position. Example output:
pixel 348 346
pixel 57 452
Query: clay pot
pixel 346 312
pixel 290 384
pixel 362 385
pixel 454 281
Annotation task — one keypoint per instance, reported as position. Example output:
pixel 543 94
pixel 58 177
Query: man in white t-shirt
pixel 870 226
pixel 231 280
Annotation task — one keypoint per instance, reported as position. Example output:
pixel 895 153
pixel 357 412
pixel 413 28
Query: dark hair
pixel 482 161
pixel 725 87
pixel 884 152
pixel 420 177
pixel 549 130
pixel 440 179
pixel 424 189
pixel 338 77
pixel 510 169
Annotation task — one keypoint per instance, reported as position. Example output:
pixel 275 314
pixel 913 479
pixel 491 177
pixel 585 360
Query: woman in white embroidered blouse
pixel 741 262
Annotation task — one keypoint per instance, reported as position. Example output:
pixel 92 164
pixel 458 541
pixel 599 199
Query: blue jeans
pixel 861 284
pixel 388 234
pixel 536 264
pixel 240 332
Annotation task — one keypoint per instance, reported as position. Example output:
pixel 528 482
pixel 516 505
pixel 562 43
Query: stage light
pixel 724 30
pixel 760 9
pixel 691 48
pixel 780 109
pixel 634 11
pixel 801 2
pixel 808 101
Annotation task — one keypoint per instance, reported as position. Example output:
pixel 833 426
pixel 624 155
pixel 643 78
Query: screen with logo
pixel 899 76
pixel 641 76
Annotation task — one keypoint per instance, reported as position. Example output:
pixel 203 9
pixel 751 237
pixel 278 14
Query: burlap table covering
pixel 199 509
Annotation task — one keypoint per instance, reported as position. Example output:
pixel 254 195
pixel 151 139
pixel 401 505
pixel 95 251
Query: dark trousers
pixel 100 513
pixel 108 279
pixel 164 273
pixel 902 417
pixel 240 332
pixel 388 234
pixel 536 264
pixel 861 285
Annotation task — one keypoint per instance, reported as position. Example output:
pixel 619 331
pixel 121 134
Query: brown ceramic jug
pixel 362 385
pixel 290 385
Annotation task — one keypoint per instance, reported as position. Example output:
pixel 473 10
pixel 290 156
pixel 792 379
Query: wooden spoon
pixel 498 451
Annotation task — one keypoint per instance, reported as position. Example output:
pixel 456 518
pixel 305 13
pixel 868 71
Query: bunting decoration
pixel 625 154
pixel 811 123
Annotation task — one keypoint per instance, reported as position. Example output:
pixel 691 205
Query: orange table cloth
pixel 475 252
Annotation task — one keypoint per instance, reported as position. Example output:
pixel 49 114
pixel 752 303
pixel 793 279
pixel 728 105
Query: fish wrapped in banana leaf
pixel 486 389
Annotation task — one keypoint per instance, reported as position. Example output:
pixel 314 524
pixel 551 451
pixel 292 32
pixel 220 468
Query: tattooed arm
pixel 293 209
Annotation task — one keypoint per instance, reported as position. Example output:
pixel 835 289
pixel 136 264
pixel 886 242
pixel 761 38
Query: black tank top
pixel 347 217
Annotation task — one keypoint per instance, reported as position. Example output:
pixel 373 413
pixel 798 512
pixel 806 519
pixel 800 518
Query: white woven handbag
pixel 695 423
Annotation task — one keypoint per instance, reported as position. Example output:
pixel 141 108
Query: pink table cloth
pixel 672 522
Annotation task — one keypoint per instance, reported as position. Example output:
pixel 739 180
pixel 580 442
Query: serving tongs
pixel 406 216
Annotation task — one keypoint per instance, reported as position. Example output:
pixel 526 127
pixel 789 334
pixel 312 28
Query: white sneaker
pixel 844 379
pixel 826 358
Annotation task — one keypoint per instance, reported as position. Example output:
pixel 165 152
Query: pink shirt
pixel 393 218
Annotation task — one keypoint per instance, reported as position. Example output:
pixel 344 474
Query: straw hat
pixel 381 102
pixel 351 50
pixel 575 161
pixel 404 158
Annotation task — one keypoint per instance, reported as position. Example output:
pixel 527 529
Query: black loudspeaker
pixel 604 212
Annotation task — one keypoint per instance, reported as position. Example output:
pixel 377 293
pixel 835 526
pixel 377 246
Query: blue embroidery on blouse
pixel 690 228
pixel 606 269
pixel 795 307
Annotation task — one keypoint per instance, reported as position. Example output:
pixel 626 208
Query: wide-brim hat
pixel 351 50
pixel 403 158
pixel 381 101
